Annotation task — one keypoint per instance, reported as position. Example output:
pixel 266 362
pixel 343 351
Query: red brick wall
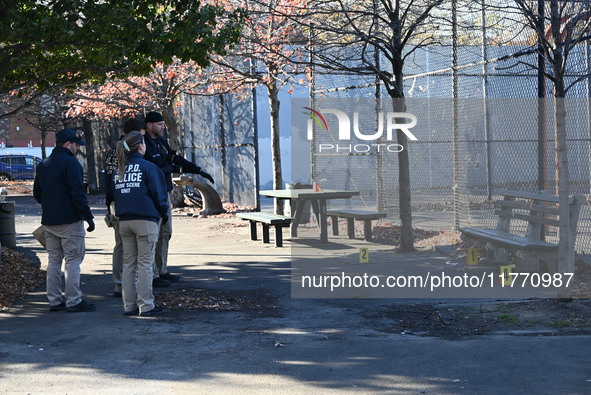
pixel 21 132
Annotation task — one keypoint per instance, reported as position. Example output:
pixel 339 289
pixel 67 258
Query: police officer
pixel 111 219
pixel 140 196
pixel 59 187
pixel 159 152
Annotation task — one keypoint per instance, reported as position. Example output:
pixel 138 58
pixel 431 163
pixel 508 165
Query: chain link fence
pixel 217 134
pixel 458 167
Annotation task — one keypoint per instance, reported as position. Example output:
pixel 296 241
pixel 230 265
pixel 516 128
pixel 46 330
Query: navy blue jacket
pixel 158 151
pixel 141 194
pixel 59 187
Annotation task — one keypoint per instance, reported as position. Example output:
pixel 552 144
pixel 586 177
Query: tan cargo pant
pixel 139 239
pixel 64 241
pixel 161 259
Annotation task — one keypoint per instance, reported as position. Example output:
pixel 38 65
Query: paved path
pixel 327 345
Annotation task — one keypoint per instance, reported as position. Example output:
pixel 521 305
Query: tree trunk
pixel 275 143
pixel 542 126
pixel 43 144
pixel 172 126
pixel 406 235
pixel 565 249
pixel 90 160
pixel 404 193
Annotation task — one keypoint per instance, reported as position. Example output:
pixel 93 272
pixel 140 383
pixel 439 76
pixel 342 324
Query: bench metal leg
pixel 495 254
pixel 278 236
pixel 297 217
pixel 351 228
pixel 265 233
pixel 323 220
pixel 367 229
pixel 335 224
pixel 253 230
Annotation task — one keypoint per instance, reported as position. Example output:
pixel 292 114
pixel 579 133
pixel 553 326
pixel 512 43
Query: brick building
pixel 17 132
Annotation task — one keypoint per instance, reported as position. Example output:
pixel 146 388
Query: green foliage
pixel 560 323
pixel 66 42
pixel 509 319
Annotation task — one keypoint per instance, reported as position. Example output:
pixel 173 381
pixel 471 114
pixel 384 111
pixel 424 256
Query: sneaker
pixel 81 307
pixel 57 307
pixel 170 277
pixel 136 311
pixel 155 311
pixel 160 283
pixel 117 294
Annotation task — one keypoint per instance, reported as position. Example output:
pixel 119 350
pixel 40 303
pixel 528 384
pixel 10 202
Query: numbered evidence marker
pixel 364 255
pixel 472 256
pixel 505 275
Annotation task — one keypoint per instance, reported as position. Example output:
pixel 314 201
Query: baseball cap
pixel 73 136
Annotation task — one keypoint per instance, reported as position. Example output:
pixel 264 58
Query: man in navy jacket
pixel 59 187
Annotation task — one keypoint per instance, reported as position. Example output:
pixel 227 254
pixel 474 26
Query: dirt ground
pixel 453 321
pixel 543 317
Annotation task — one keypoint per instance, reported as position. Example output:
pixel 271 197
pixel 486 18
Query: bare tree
pixel 47 113
pixel 559 28
pixel 375 38
pixel 269 54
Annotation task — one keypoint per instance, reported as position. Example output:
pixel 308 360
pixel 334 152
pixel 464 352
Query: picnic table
pixel 300 197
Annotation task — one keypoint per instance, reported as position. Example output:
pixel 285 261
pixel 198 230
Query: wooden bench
pixel 266 219
pixel 352 215
pixel 538 211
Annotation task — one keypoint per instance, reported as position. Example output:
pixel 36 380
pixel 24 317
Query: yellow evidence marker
pixel 472 256
pixel 505 275
pixel 364 255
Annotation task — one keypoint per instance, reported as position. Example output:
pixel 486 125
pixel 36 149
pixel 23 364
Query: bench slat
pixel 266 218
pixel 529 218
pixel 543 196
pixel 357 214
pixel 528 206
pixel 507 239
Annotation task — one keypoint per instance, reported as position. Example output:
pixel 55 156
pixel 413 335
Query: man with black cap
pixel 159 152
pixel 59 187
